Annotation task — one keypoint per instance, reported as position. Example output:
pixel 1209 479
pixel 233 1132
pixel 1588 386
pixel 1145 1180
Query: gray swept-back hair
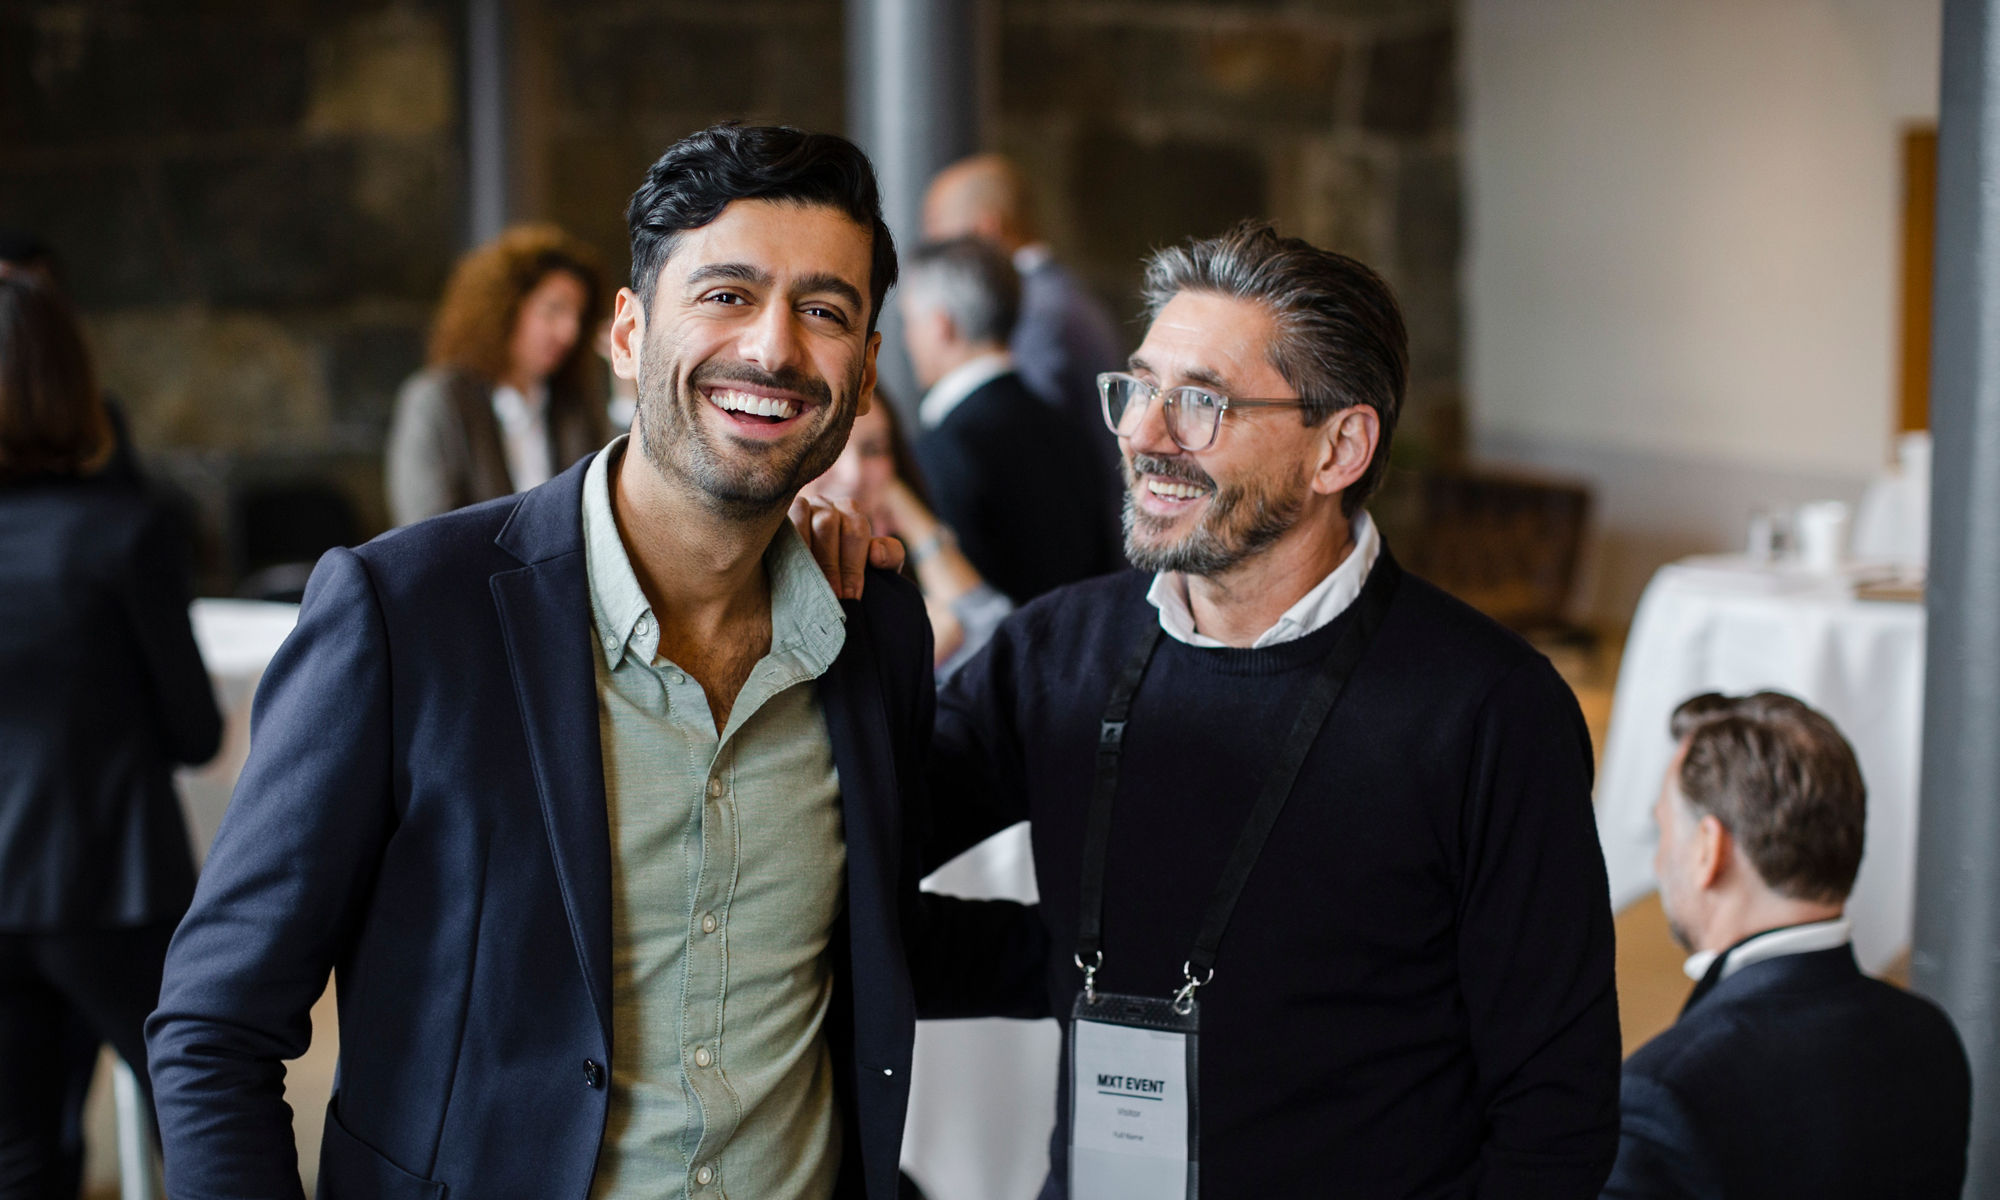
pixel 975 285
pixel 1341 340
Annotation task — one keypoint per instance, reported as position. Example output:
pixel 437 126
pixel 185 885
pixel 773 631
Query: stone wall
pixel 1338 119
pixel 255 205
pixel 257 202
pixel 617 81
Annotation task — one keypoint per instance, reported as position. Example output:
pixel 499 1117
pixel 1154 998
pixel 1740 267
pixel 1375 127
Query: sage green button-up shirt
pixel 727 874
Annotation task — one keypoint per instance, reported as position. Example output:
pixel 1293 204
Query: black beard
pixel 667 421
pixel 1239 522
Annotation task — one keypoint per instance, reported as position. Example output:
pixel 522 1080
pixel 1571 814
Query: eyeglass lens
pixel 1192 414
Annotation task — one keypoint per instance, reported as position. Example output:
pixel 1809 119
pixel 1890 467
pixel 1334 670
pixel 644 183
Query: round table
pixel 1725 624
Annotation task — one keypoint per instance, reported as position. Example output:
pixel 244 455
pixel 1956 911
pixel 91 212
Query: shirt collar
pixel 958 383
pixel 1030 256
pixel 1775 943
pixel 1314 611
pixel 806 617
pixel 517 410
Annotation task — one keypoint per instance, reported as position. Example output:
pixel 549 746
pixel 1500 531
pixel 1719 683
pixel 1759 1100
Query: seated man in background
pixel 1012 478
pixel 1789 1073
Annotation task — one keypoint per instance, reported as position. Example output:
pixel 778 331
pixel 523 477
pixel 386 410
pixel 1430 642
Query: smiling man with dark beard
pixel 594 795
pixel 1290 804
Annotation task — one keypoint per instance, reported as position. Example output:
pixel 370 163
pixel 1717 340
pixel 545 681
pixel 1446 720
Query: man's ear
pixel 1713 848
pixel 1347 445
pixel 628 334
pixel 947 329
pixel 866 400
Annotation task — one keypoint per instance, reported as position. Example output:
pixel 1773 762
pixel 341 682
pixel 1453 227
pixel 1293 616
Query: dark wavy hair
pixel 474 327
pixel 52 415
pixel 702 173
pixel 1341 340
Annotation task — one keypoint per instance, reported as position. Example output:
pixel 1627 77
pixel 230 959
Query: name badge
pixel 1132 1119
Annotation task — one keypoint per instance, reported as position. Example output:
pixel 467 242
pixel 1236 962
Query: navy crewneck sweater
pixel 1414 997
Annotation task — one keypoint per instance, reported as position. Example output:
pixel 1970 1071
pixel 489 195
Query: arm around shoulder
pixel 278 899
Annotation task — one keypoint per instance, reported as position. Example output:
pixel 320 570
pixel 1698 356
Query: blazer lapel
pixel 857 723
pixel 544 611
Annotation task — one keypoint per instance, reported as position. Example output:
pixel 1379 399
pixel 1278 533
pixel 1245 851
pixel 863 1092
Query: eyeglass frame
pixel 1224 404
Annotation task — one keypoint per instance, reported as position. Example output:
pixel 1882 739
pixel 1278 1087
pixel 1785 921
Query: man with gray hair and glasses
pixel 1789 1072
pixel 1322 907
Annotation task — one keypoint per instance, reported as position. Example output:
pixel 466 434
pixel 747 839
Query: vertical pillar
pixel 488 119
pixel 1956 957
pixel 917 100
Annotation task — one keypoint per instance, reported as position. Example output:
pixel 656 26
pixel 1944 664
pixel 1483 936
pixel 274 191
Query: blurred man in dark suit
pixel 1065 335
pixel 1789 1073
pixel 1014 480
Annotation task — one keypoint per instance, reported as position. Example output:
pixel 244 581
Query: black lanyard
pixel 1321 694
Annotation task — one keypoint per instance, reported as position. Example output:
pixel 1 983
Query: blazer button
pixel 593 1075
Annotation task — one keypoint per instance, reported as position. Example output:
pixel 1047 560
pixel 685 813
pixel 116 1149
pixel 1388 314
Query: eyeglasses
pixel 1193 415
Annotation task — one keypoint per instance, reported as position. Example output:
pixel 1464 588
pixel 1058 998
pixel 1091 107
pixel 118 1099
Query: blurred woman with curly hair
pixel 508 399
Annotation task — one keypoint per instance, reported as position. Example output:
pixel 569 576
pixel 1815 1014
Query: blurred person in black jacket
pixel 102 691
pixel 1016 481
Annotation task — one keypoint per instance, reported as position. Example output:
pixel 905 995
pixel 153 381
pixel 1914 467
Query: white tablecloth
pixel 983 1093
pixel 1723 625
pixel 237 639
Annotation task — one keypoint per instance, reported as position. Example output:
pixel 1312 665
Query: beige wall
pixel 1682 262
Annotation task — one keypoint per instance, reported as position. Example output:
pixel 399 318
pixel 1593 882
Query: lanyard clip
pixel 1184 999
pixel 1090 974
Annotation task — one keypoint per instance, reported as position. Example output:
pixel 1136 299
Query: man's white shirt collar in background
pixel 1798 939
pixel 958 383
pixel 1314 611
pixel 1031 256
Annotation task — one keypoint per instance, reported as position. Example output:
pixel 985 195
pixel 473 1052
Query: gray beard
pixel 1208 550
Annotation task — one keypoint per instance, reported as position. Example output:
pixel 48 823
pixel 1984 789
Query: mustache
pixel 791 379
pixel 1179 469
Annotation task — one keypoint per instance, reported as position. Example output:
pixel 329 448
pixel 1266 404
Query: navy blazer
pixel 423 812
pixel 102 691
pixel 1019 485
pixel 1797 1076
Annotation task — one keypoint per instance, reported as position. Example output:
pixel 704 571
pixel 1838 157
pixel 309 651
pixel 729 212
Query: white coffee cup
pixel 1821 530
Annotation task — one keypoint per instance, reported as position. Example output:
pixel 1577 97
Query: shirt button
pixel 610 642
pixel 708 923
pixel 715 788
pixel 645 627
pixel 677 678
pixel 702 1057
pixel 593 1075
pixel 704 1176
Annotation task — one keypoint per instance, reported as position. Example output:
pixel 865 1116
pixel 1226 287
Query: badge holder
pixel 1134 1120
pixel 1134 1086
